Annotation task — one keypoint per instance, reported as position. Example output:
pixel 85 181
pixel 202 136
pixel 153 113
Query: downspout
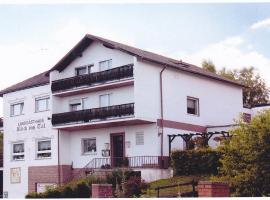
pixel 161 108
pixel 59 169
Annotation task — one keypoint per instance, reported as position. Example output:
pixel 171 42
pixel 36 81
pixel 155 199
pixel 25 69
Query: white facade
pixel 219 103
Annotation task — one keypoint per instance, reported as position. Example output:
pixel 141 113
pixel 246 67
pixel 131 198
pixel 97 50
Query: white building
pixel 104 101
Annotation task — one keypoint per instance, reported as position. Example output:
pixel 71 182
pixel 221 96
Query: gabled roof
pixel 38 80
pixel 43 78
pixel 139 53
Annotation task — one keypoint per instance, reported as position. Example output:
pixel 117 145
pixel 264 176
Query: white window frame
pixel 75 104
pixel 197 106
pixel 17 154
pixel 43 151
pixel 87 69
pixel 12 109
pixel 79 68
pixel 47 98
pixel 88 152
pixel 109 66
pixel 83 105
pixel 109 99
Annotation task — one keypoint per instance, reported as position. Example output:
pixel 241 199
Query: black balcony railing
pixel 117 73
pixel 93 114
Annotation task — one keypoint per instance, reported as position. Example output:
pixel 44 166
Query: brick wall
pixel 47 174
pixel 102 191
pixel 213 189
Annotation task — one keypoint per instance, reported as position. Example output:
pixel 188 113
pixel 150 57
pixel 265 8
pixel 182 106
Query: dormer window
pixel 105 65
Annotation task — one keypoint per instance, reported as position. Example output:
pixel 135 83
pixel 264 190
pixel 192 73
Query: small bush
pixel 75 189
pixel 68 192
pixel 195 162
pixel 134 187
pixel 82 190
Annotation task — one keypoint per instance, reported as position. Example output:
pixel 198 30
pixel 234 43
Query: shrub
pixel 68 192
pixel 246 158
pixel 75 189
pixel 126 183
pixel 195 162
pixel 134 186
pixel 81 190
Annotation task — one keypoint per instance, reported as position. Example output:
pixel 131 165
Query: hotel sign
pixel 31 125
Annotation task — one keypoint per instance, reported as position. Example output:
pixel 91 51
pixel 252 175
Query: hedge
pixel 82 188
pixel 195 162
pixel 76 189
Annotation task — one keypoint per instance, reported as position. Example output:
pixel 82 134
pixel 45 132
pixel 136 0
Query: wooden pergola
pixel 188 136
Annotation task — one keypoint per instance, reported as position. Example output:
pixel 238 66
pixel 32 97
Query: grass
pixel 175 191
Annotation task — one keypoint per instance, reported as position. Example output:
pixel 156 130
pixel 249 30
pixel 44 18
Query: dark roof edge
pixel 24 88
pixel 72 53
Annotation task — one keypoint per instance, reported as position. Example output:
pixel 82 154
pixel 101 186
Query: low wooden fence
pixel 193 193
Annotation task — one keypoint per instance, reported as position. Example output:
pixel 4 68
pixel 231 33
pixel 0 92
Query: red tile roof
pixel 43 78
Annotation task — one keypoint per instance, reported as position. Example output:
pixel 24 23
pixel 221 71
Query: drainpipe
pixel 59 169
pixel 161 108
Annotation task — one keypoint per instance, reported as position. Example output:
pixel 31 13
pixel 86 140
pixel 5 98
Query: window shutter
pixel 139 138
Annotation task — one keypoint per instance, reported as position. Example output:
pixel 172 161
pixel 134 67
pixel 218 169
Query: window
pixel 193 106
pixel 79 104
pixel 105 65
pixel 83 70
pixel 85 103
pixel 18 151
pixel 89 145
pixel 139 138
pixel 42 104
pixel 44 148
pixel 104 100
pixel 75 106
pixel 16 109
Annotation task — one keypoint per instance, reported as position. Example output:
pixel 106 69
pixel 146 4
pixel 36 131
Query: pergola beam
pixel 186 137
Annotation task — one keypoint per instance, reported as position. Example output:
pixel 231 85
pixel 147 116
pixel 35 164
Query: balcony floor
pixel 104 124
pixel 94 88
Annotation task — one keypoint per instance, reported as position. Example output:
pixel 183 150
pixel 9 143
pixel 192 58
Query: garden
pixel 243 161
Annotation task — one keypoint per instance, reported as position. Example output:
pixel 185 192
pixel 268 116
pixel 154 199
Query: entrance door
pixel 117 148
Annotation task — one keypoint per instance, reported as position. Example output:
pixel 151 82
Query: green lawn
pixel 175 191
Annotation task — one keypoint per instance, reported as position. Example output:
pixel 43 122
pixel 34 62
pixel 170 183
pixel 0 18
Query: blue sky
pixel 34 37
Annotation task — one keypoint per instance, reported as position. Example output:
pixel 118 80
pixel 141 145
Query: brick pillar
pixel 213 189
pixel 102 191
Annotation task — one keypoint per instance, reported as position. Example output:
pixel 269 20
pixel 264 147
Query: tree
pixel 256 91
pixel 246 157
pixel 209 65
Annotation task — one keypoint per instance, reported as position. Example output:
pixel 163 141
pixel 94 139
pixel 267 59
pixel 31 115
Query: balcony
pixel 107 76
pixel 94 114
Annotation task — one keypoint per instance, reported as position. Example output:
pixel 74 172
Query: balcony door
pixel 117 149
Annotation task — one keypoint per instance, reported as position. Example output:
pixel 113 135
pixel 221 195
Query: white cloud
pixel 233 52
pixel 261 24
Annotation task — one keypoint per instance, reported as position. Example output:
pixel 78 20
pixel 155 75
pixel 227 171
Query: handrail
pixel 133 162
pixel 117 73
pixel 94 113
